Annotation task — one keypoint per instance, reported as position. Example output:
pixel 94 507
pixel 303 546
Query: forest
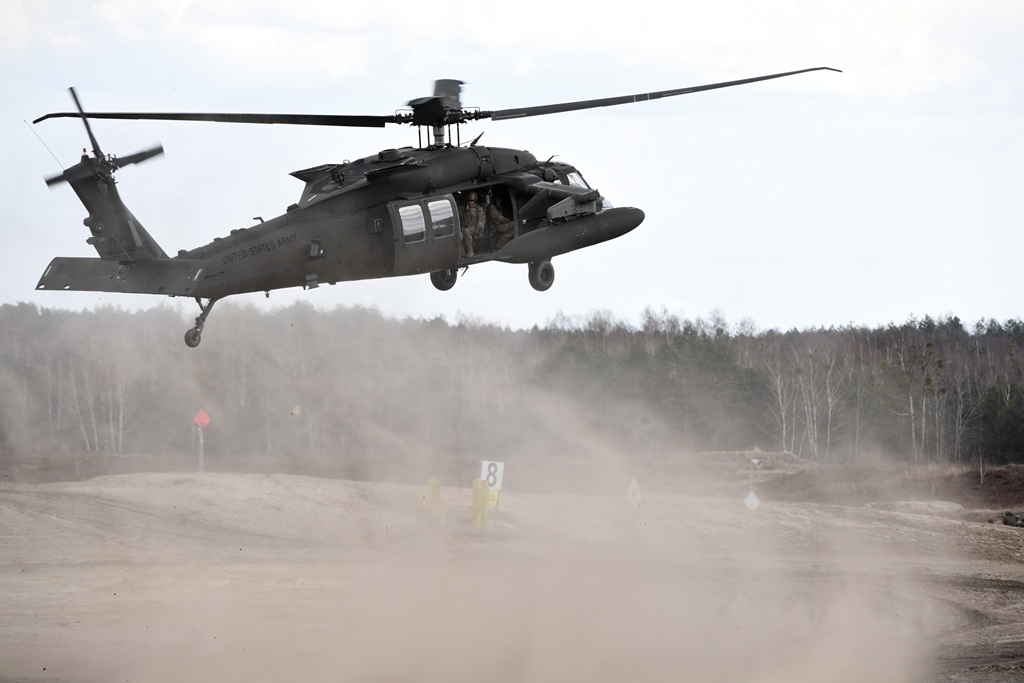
pixel 368 396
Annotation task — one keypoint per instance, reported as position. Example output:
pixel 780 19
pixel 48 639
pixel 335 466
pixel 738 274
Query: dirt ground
pixel 269 577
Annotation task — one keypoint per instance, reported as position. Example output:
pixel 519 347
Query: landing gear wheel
pixel 542 275
pixel 192 338
pixel 444 279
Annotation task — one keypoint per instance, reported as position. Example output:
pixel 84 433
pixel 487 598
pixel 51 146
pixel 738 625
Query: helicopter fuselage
pixel 399 213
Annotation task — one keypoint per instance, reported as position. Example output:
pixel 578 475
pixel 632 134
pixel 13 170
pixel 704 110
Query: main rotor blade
pixel 627 99
pixel 291 119
pixel 88 129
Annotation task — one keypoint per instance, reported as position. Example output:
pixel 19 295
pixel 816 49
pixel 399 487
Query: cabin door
pixel 427 234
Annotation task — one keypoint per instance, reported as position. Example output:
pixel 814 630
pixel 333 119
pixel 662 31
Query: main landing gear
pixel 194 336
pixel 542 275
pixel 444 279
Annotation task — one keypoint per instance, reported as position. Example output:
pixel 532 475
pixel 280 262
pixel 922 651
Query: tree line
pixel 353 387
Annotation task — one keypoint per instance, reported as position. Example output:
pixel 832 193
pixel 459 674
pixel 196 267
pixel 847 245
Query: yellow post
pixel 433 502
pixel 480 496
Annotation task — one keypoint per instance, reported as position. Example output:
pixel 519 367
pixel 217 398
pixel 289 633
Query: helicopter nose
pixel 627 218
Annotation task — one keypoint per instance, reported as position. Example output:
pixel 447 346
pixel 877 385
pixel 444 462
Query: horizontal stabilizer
pixel 174 277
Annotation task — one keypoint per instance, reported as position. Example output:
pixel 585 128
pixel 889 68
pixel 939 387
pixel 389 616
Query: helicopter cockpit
pixel 576 180
pixel 560 173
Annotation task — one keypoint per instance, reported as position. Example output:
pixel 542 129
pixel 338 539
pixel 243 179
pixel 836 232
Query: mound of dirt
pixel 943 508
pixel 1001 489
pixel 777 476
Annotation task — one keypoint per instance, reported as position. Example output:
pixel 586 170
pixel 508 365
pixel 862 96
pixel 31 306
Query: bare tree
pixel 780 392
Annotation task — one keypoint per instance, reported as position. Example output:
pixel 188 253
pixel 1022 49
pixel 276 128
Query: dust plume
pixel 265 577
pixel 304 550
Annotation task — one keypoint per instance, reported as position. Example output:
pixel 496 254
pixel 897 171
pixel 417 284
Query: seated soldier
pixel 502 225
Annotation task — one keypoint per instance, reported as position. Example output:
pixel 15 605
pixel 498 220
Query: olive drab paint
pixel 395 213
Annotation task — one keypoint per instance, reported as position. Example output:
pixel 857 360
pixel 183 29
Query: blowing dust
pixel 304 551
pixel 272 577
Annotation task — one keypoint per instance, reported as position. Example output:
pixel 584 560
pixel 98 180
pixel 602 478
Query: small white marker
pixel 633 494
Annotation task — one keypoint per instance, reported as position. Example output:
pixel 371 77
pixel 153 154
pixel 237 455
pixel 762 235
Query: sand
pixel 215 577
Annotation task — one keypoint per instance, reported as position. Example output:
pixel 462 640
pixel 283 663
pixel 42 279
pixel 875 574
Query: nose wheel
pixel 195 335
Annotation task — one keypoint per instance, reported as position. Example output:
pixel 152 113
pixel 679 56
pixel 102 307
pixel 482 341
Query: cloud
pixel 25 25
pixel 890 47
pixel 141 20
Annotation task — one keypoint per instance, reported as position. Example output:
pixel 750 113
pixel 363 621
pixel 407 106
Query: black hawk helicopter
pixel 399 212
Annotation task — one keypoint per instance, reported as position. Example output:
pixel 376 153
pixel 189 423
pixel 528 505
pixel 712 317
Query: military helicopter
pixel 398 212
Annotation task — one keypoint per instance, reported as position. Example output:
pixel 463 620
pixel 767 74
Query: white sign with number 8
pixel 491 472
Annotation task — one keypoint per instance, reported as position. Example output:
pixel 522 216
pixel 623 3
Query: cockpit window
pixel 553 176
pixel 576 180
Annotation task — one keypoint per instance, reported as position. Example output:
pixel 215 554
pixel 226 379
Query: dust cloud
pixel 305 552
pixel 267 577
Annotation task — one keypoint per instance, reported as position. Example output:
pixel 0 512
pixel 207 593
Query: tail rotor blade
pixel 121 162
pixel 77 172
pixel 53 180
pixel 81 112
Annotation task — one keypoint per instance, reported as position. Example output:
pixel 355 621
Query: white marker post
pixel 633 492
pixel 751 501
pixel 201 419
pixel 492 473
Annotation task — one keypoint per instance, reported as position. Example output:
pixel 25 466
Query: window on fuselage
pixel 442 217
pixel 414 223
pixel 576 180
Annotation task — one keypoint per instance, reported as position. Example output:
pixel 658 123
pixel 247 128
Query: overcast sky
pixel 893 189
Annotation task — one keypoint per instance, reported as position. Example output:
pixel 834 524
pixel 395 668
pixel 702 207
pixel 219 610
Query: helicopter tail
pixel 129 260
pixel 116 234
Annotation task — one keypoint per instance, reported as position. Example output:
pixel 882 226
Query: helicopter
pixel 435 209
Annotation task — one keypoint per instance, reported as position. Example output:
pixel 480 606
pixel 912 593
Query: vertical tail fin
pixel 116 234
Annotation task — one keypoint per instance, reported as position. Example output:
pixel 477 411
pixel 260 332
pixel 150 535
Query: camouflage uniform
pixel 473 220
pixel 502 225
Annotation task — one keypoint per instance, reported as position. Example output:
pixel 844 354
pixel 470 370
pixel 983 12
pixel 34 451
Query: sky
pixel 892 190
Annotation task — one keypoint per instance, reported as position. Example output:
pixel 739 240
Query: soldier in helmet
pixel 473 220
pixel 502 225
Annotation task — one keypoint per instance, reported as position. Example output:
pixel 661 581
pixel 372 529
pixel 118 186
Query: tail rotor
pixel 96 152
pixel 99 164
pixel 115 233
pixel 121 162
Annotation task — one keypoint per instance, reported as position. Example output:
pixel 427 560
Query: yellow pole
pixel 433 502
pixel 480 496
